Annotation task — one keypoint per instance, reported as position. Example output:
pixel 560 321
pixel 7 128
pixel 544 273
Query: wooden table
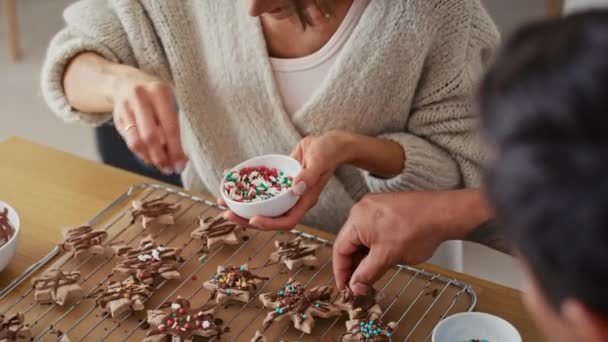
pixel 52 189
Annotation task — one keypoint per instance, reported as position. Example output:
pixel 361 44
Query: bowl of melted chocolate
pixel 9 234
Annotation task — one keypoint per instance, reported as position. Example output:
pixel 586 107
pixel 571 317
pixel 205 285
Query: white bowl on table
pixel 475 325
pixel 7 252
pixel 272 207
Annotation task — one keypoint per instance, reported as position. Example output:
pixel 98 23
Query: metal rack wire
pixel 414 298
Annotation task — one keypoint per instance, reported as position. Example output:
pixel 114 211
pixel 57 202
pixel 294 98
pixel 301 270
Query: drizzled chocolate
pixel 183 323
pixel 6 227
pixel 153 209
pixel 55 279
pixel 150 262
pixel 233 283
pixel 123 297
pixel 295 253
pixel 358 306
pixel 368 329
pixel 300 304
pixel 57 286
pixel 13 328
pixel 216 231
pixel 83 239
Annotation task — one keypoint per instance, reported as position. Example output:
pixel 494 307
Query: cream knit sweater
pixel 407 73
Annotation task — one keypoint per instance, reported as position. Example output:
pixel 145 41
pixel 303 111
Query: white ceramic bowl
pixel 272 207
pixel 475 325
pixel 7 252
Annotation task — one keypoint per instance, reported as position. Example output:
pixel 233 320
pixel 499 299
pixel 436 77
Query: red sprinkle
pixel 181 311
pixel 187 326
pixel 194 277
pixel 170 322
pixel 198 323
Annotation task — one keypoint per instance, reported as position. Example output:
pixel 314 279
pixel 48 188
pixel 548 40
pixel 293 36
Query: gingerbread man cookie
pixel 233 284
pixel 154 211
pixel 183 323
pixel 295 253
pixel 150 262
pixel 57 287
pixel 300 305
pixel 83 240
pixel 123 298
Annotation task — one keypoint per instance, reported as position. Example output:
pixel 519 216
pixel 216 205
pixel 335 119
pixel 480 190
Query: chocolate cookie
pixel 83 240
pixel 295 253
pixel 13 328
pixel 215 231
pixel 181 323
pixel 57 287
pixel 150 262
pixel 358 306
pixel 233 284
pixel 368 329
pixel 300 305
pixel 123 298
pixel 154 212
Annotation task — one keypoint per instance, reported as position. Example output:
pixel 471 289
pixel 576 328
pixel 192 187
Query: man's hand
pixel 400 228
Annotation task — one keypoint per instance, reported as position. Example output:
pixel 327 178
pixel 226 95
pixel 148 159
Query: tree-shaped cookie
pixel 122 298
pixel 358 306
pixel 215 231
pixel 233 284
pixel 13 328
pixel 295 253
pixel 57 287
pixel 300 305
pixel 368 329
pixel 178 322
pixel 83 240
pixel 150 262
pixel 155 211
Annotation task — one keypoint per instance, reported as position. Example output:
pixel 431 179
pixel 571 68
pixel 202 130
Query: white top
pixel 298 78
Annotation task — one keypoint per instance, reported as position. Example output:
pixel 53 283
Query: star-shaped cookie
pixel 233 284
pixel 181 323
pixel 13 328
pixel 123 298
pixel 358 306
pixel 154 212
pixel 215 231
pixel 295 253
pixel 83 240
pixel 150 262
pixel 300 305
pixel 368 329
pixel 56 286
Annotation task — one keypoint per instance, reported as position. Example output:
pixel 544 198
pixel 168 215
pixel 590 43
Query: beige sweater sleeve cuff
pixel 426 167
pixel 62 49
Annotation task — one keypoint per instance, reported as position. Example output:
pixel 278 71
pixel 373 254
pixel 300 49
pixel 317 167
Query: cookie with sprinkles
pixel 215 231
pixel 150 262
pixel 83 240
pixel 300 305
pixel 358 306
pixel 233 284
pixel 255 184
pixel 121 299
pixel 368 329
pixel 295 253
pixel 13 328
pixel 154 212
pixel 57 286
pixel 179 322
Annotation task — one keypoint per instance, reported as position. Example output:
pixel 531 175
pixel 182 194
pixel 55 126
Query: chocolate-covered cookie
pixel 150 262
pixel 295 253
pixel 358 306
pixel 58 287
pixel 368 329
pixel 154 212
pixel 122 298
pixel 215 231
pixel 83 240
pixel 13 328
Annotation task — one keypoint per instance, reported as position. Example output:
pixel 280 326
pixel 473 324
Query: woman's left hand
pixel 319 157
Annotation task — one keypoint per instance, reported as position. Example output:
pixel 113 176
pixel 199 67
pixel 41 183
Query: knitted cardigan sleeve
pixel 91 26
pixel 440 141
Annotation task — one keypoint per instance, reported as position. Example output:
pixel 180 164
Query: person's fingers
pixel 298 153
pixel 229 215
pixel 371 268
pixel 125 123
pixel 220 201
pixel 345 248
pixel 168 120
pixel 149 131
pixel 306 180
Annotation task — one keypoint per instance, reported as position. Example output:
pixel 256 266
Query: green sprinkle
pixel 228 291
pixel 181 319
pixel 242 268
pixel 174 315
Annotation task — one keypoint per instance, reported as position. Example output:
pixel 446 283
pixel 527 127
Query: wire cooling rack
pixel 416 299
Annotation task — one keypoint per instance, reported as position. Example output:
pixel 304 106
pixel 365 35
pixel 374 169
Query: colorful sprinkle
pixel 254 184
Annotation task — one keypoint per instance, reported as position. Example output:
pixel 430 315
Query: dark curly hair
pixel 544 108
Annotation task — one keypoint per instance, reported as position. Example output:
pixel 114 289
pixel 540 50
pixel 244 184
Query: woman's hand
pixel 146 117
pixel 387 229
pixel 319 157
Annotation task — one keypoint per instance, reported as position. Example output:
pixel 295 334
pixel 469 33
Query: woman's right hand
pixel 146 117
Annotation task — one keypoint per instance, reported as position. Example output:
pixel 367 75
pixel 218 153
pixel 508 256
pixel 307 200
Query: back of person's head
pixel 545 112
